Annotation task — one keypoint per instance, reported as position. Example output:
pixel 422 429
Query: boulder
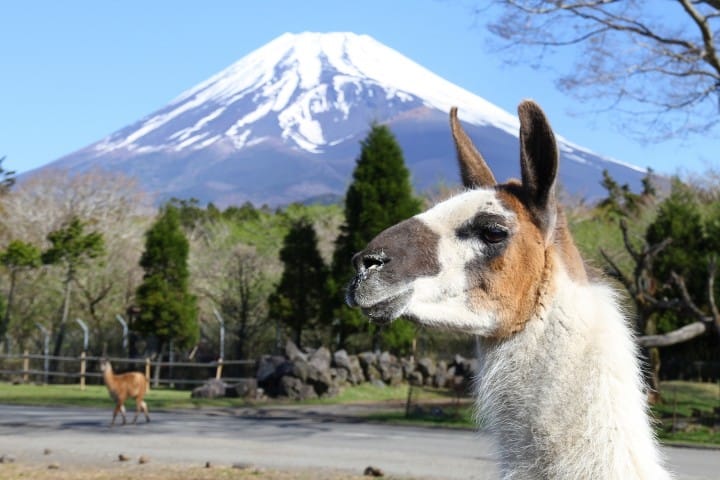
pixel 339 376
pixel 368 361
pixel 297 390
pixel 319 379
pixel 266 366
pixel 390 369
pixel 213 388
pixel 350 364
pixel 320 358
pixel 292 352
pixel 300 369
pixel 427 367
pixel 415 378
pixel 244 388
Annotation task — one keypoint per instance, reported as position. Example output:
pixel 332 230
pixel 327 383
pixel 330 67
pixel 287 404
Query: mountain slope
pixel 284 123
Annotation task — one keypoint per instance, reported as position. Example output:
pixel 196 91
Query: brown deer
pixel 123 386
pixel 559 384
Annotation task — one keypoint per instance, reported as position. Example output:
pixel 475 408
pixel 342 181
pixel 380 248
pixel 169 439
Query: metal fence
pixel 36 368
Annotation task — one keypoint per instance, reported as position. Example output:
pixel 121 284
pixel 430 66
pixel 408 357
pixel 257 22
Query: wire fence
pixel 83 370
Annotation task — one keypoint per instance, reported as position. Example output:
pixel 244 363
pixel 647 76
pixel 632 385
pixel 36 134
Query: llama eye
pixel 493 233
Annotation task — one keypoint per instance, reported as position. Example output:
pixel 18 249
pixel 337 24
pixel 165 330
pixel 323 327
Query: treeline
pixel 91 246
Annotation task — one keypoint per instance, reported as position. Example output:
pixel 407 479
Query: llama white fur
pixel 564 398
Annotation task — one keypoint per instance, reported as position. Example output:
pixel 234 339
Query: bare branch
pixel 622 48
pixel 682 334
pixel 688 302
pixel 710 55
pixel 617 274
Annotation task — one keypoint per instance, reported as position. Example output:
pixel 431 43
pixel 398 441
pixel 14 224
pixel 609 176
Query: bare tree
pixel 111 204
pixel 655 63
pixel 236 280
pixel 649 297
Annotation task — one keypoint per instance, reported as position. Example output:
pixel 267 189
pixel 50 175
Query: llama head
pixel 479 261
pixel 105 364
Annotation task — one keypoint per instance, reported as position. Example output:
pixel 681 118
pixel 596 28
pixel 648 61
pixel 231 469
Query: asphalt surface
pixel 283 438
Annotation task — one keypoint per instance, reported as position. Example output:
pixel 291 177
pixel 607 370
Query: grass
pixel 687 413
pixel 165 398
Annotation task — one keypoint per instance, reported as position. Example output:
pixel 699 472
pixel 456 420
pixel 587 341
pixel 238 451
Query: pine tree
pixel 167 309
pixel 298 298
pixel 71 248
pixel 18 256
pixel 379 196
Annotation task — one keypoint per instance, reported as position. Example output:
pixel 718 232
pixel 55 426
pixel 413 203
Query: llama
pixel 559 386
pixel 124 386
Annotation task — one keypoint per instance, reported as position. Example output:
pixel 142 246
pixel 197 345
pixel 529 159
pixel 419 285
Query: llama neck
pixel 564 398
pixel 109 378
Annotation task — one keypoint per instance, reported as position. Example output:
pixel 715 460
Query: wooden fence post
pixel 218 371
pixel 147 368
pixel 26 366
pixel 82 371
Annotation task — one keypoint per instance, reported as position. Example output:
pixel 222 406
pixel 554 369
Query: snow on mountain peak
pixel 286 85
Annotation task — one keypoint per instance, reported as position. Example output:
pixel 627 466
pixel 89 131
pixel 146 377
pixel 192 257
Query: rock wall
pixel 311 373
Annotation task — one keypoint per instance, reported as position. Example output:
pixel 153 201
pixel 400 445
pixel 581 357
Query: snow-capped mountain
pixel 283 124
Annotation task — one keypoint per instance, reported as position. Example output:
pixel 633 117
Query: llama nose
pixel 366 262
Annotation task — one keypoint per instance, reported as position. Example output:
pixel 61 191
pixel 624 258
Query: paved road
pixel 274 438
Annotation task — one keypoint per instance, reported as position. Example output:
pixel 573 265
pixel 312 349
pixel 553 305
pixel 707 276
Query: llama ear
pixel 538 163
pixel 473 169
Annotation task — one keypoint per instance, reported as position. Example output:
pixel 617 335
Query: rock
pixel 123 458
pixel 367 359
pixel 371 471
pixel 54 466
pixel 408 366
pixel 427 367
pixel 7 458
pixel 47 451
pixel 300 369
pixel 241 466
pixel 440 379
pixel 213 388
pixel 244 388
pixel 350 364
pixel 294 388
pixel 378 383
pixel 267 364
pixel 339 376
pixel 415 378
pixel 143 459
pixel 320 359
pixel 208 465
pixel 341 359
pixel 320 379
pixel 293 353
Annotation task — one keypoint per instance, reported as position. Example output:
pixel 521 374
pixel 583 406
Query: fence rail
pixel 17 367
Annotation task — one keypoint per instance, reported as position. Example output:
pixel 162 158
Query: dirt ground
pixel 53 471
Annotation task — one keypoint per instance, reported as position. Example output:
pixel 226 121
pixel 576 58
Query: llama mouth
pixel 375 302
pixel 385 311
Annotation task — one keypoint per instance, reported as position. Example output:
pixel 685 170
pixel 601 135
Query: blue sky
pixel 73 72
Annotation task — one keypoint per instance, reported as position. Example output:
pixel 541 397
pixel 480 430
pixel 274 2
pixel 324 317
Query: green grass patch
pixel 685 399
pixel 689 412
pixel 97 396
